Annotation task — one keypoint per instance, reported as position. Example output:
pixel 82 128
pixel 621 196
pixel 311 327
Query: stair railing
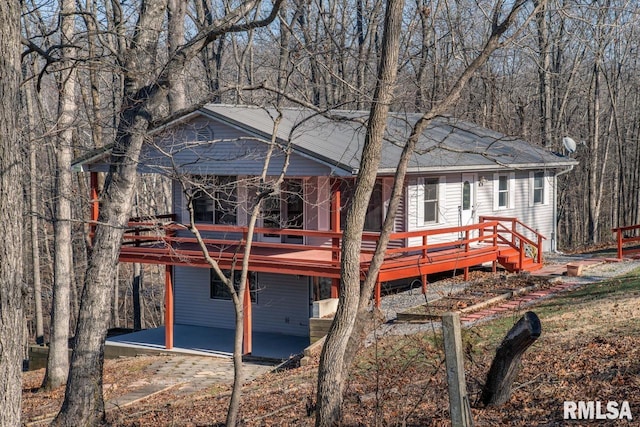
pixel 516 239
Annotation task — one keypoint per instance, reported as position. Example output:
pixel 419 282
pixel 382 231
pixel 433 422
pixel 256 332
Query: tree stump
pixel 506 364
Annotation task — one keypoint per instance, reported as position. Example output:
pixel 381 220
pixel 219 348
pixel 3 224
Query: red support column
pixel 168 308
pixel 247 344
pixel 424 284
pixel 335 242
pixel 377 294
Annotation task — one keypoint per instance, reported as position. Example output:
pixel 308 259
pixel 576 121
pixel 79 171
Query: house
pixel 471 196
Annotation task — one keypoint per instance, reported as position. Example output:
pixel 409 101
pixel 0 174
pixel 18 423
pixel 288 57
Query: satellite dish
pixel 569 144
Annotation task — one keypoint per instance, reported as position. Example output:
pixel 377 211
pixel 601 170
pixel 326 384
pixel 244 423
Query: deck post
pixel 466 252
pixel 335 241
pixel 247 321
pixel 377 294
pixel 619 240
pixel 95 202
pixel 424 284
pixel 168 307
pixel 539 248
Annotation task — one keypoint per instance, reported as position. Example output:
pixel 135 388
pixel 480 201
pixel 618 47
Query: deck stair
pixel 519 246
pixel 509 258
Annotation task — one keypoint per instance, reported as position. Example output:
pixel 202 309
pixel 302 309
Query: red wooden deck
pixel 452 248
pixel 413 254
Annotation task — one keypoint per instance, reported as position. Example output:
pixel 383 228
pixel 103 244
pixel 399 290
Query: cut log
pixel 506 364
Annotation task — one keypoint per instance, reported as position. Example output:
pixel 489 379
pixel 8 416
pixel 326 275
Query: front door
pixel 467 204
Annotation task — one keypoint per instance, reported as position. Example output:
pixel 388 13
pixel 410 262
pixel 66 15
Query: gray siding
pixel 193 306
pixel 203 146
pixel 282 306
pixel 538 216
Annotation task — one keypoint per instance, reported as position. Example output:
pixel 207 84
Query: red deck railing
pixel 624 235
pixel 159 240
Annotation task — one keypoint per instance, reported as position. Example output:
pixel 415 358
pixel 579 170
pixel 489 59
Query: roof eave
pixel 427 169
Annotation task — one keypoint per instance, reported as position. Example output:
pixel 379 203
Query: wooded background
pixel 572 71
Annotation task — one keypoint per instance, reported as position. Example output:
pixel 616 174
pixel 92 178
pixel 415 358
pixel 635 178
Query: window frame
pixel 538 190
pixel 224 202
pixel 218 290
pixel 376 202
pixel 509 192
pixel 435 182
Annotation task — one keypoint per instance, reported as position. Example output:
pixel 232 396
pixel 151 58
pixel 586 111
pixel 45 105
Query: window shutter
pixel 442 200
pixel 531 188
pixel 496 196
pixel 511 185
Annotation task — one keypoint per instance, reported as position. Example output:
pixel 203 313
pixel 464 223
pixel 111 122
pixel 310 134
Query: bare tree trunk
pixel 144 92
pixel 176 13
pixel 339 349
pixel 332 371
pixel 84 401
pixel 544 73
pixel 34 208
pixel 506 364
pixel 58 358
pixel 11 211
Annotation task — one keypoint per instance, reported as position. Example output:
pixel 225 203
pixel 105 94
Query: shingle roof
pixel 447 143
pixel 336 138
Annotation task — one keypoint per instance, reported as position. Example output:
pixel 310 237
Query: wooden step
pixel 509 258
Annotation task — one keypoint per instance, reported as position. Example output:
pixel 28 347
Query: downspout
pixel 554 238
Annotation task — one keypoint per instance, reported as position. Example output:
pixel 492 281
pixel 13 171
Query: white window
pixel 537 186
pixel 431 205
pixel 503 191
pixel 427 198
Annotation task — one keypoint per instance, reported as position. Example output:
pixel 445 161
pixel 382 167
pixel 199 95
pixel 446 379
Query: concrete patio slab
pixel 204 341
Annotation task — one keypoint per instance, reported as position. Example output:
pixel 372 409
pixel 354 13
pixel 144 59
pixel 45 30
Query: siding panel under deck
pixel 283 304
pixel 282 307
pixel 193 305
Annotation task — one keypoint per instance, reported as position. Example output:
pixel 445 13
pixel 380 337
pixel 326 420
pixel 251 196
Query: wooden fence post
pixel 459 407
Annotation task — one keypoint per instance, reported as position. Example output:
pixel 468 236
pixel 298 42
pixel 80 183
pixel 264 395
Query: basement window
pixel 218 290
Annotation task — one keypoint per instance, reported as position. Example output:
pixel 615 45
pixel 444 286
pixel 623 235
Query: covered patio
pixel 200 340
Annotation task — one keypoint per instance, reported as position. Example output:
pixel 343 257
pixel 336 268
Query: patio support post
pixel 247 321
pixel 377 294
pixel 424 284
pixel 95 203
pixel 168 307
pixel 466 252
pixel 335 241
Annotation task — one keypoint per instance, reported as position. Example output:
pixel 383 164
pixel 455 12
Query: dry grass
pixel 589 350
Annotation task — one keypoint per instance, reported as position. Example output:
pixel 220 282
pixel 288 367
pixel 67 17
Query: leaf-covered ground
pixel 589 350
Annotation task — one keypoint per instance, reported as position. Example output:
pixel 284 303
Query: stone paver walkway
pixel 516 303
pixel 186 374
